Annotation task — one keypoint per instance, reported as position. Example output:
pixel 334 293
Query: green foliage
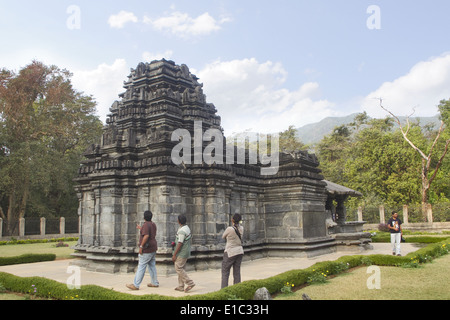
pixel 289 142
pixel 372 156
pixel 287 288
pixel 386 237
pixel 29 241
pixel 45 126
pixel 245 290
pixel 27 258
pixel 317 277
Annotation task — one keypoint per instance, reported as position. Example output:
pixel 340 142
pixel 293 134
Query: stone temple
pixel 285 214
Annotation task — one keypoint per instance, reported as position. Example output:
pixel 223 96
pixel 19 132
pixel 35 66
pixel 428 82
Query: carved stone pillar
pixel 127 218
pixel 340 210
pixel 199 216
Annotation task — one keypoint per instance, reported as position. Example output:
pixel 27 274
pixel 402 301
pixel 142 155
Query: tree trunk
pixel 16 209
pixel 425 188
pixel 12 229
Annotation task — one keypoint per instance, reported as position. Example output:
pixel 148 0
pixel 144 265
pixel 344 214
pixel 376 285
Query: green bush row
pixel 244 290
pixel 28 241
pixel 47 288
pixel 27 258
pixel 385 237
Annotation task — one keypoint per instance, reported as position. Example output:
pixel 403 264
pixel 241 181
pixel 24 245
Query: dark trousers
pixel 227 263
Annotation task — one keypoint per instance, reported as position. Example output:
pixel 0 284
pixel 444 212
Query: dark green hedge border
pixel 29 241
pixel 27 258
pixel 386 237
pixel 245 290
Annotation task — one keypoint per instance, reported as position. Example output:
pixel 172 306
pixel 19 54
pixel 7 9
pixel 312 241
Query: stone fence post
pixel 360 214
pixel 405 214
pixel 429 213
pixel 382 220
pixel 42 226
pixel 21 227
pixel 62 225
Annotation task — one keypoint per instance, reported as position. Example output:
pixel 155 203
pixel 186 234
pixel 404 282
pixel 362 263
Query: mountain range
pixel 311 134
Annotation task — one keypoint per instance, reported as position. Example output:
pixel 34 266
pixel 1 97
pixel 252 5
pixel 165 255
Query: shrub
pixel 287 288
pixel 27 258
pixel 385 237
pixel 61 244
pixel 413 263
pixel 244 290
pixel 29 241
pixel 317 277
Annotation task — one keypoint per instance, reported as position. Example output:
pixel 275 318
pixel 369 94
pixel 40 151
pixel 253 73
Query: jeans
pixel 146 260
pixel 396 238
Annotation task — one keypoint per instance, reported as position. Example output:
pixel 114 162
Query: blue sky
pixel 264 64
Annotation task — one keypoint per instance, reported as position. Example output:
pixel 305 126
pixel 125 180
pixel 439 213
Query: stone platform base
pixel 124 260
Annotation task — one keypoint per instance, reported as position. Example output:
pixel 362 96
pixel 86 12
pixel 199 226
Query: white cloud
pixel 149 56
pixel 104 83
pixel 184 26
pixel 250 96
pixel 119 20
pixel 427 83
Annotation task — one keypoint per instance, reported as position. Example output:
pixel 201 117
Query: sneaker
pixel 399 255
pixel 151 285
pixel 132 287
pixel 179 288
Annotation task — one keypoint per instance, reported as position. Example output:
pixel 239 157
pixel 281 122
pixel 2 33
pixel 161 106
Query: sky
pixel 265 65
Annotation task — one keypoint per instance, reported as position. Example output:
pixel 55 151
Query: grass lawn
pixel 17 296
pixel 10 296
pixel 12 250
pixel 19 249
pixel 428 282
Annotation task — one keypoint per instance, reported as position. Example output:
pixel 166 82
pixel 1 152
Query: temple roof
pixel 337 189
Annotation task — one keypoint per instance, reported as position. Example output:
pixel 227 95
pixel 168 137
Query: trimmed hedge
pixel 385 237
pixel 46 288
pixel 29 241
pixel 27 258
pixel 244 290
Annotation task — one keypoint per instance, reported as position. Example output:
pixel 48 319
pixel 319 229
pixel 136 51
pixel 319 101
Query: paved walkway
pixel 206 281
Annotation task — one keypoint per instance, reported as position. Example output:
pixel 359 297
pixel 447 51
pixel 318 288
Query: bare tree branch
pixel 426 160
pixel 405 134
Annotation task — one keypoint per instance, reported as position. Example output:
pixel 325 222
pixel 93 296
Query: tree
pixel 365 155
pixel 378 166
pixel 428 174
pixel 333 152
pixel 289 141
pixel 45 125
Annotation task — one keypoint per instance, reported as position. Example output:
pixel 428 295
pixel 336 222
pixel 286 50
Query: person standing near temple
pixel 147 253
pixel 395 227
pixel 234 251
pixel 181 254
